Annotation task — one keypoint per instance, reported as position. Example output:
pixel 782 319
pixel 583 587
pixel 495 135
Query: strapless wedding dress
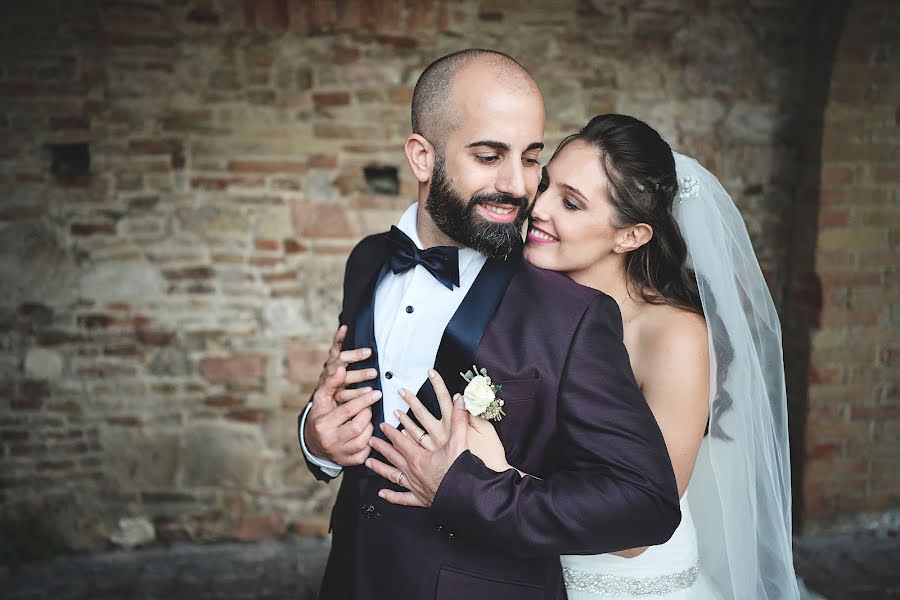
pixel 670 571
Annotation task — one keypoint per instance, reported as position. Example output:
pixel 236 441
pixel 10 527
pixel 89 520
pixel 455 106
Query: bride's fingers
pixel 434 427
pixel 443 396
pixel 414 432
pixel 410 429
pixel 401 498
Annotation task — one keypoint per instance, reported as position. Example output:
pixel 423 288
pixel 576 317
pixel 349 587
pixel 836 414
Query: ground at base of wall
pixel 841 566
pixel 851 565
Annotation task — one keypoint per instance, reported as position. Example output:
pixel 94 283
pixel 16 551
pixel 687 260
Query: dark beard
pixel 458 219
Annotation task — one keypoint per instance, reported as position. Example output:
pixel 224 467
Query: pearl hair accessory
pixel 688 187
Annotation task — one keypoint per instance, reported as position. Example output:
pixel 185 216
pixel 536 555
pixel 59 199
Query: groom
pixel 448 287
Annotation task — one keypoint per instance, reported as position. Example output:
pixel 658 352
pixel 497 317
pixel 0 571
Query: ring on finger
pixel 424 433
pixel 400 478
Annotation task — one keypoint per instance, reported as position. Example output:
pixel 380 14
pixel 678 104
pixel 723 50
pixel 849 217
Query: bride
pixel 618 211
pixel 656 231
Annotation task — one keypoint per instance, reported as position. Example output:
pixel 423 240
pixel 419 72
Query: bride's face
pixel 571 225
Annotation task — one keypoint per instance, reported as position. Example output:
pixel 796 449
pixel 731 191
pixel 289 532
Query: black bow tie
pixel 441 261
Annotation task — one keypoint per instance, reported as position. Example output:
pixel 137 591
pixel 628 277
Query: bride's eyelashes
pixel 569 205
pixel 545 184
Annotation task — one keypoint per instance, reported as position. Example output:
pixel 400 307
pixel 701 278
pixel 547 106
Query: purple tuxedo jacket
pixel 575 418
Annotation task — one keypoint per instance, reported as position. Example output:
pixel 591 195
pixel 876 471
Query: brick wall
pixel 166 305
pixel 846 291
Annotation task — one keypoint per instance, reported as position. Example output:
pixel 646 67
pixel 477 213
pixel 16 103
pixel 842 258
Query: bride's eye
pixel 569 204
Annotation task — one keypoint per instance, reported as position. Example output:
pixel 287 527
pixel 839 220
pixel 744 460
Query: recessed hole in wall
pixel 382 180
pixel 753 189
pixel 70 160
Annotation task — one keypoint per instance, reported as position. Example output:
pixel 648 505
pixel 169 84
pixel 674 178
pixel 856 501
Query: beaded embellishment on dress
pixel 604 583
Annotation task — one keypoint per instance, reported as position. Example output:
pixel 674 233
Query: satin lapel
pixel 359 306
pixel 364 272
pixel 364 337
pixel 463 333
pixel 359 315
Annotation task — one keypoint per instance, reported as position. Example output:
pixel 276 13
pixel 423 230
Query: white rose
pixel 478 395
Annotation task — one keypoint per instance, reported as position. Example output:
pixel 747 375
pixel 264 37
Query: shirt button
pixel 409 309
pixel 388 375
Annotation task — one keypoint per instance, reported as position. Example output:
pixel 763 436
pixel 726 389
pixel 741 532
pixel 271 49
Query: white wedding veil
pixel 740 490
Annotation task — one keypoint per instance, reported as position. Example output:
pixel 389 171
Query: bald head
pixel 436 110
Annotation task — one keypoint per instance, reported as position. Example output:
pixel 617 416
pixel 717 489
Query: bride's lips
pixel 539 236
pixel 498 213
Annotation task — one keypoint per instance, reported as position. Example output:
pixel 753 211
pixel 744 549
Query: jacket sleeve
pixel 615 488
pixel 323 470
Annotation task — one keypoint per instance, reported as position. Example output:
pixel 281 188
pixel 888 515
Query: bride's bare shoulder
pixel 673 336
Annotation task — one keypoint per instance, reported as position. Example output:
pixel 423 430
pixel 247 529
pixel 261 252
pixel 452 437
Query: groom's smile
pixel 498 213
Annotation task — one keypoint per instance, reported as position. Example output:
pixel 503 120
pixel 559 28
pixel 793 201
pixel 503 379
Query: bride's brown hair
pixel 640 169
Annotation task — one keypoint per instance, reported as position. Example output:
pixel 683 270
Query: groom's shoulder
pixel 369 246
pixel 553 292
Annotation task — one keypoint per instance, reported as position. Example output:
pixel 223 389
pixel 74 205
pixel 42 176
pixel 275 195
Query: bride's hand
pixel 481 437
pixel 485 444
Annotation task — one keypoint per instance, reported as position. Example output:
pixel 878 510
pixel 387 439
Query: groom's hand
pixel 339 423
pixel 422 470
pixel 340 433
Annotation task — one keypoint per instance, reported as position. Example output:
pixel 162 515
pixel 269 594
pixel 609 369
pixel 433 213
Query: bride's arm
pixel 676 385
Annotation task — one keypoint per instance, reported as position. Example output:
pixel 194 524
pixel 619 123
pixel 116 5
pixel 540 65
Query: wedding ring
pixel 424 433
pixel 399 479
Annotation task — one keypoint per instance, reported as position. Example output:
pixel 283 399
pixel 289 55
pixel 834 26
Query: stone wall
pixel 845 287
pixel 182 180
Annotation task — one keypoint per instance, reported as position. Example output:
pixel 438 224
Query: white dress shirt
pixel 412 309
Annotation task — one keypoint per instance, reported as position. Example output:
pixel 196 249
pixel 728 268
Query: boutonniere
pixel 481 395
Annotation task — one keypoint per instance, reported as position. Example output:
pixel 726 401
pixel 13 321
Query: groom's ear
pixel 632 237
pixel 420 154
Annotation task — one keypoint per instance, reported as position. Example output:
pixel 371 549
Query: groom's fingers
pixel 359 375
pixel 401 498
pixel 338 341
pixel 332 383
pixel 358 458
pixel 343 413
pixel 359 443
pixel 352 356
pixel 344 396
pixel 356 426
